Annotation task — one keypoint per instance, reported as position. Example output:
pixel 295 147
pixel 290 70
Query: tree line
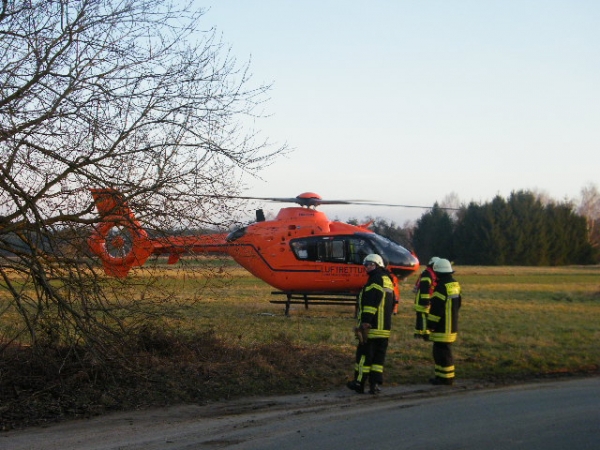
pixel 519 230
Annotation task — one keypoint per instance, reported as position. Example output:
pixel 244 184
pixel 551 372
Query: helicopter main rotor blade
pixel 310 199
pixel 302 200
pixel 404 206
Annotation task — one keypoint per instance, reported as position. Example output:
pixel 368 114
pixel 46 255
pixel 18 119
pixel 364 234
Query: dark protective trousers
pixel 370 358
pixel 421 324
pixel 444 362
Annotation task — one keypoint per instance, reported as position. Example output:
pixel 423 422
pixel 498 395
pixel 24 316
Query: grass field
pixel 222 338
pixel 515 322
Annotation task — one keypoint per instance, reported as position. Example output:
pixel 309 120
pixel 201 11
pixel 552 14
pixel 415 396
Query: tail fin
pixel 118 239
pixel 110 202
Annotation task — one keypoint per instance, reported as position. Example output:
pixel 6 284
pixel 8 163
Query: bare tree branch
pixel 137 95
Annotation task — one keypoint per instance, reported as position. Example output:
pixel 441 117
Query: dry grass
pixel 226 340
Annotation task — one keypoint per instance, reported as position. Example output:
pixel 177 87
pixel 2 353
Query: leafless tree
pixel 589 207
pixel 135 95
pixel 452 203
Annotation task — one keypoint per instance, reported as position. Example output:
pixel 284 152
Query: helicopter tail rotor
pixel 118 239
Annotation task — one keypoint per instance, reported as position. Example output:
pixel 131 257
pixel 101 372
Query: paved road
pixel 547 415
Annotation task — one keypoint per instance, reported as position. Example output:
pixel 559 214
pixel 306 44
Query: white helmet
pixel 433 260
pixel 442 266
pixel 374 258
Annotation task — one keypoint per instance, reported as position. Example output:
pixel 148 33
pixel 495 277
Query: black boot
pixel 356 386
pixel 442 381
pixel 374 389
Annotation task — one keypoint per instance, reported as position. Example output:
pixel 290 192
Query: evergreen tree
pixel 522 231
pixel 526 230
pixel 472 237
pixel 570 237
pixel 559 223
pixel 498 216
pixel 433 235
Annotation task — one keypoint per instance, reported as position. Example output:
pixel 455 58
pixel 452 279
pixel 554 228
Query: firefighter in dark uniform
pixel 423 289
pixel 374 322
pixel 442 321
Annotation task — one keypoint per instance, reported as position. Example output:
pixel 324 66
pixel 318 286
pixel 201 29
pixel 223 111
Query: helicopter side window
pixel 316 249
pixel 300 250
pixel 341 249
pixel 337 250
pixel 331 251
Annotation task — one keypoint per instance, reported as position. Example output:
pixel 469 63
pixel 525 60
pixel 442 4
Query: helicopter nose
pixel 402 258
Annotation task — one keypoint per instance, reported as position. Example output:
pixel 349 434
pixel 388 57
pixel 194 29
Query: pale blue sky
pixel 408 101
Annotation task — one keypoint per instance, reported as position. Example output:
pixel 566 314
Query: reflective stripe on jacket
pixel 376 303
pixel 442 319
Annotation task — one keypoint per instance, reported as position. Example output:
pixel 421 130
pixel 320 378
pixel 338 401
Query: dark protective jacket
pixel 442 319
pixel 376 303
pixel 424 288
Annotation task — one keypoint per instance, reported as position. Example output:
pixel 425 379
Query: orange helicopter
pixel 299 252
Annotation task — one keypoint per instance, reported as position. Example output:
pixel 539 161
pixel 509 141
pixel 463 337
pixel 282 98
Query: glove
pixel 364 329
pixel 359 335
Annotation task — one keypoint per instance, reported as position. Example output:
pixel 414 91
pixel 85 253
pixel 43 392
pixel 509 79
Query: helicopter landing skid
pixel 315 298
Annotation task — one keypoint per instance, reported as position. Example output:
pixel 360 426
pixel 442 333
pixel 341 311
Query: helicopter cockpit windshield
pixel 236 234
pixel 394 253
